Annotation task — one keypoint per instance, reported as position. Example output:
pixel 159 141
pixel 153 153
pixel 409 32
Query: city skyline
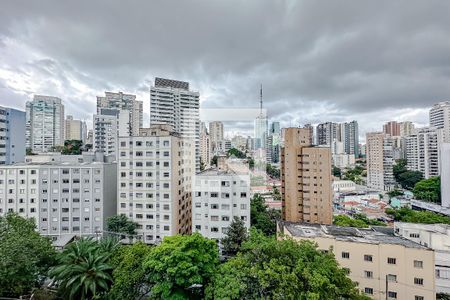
pixel 320 72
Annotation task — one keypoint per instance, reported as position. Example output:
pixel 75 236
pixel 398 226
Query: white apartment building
pixel 67 195
pixel 339 157
pixel 75 129
pixel 12 136
pixel 219 195
pixel 172 103
pixel 215 134
pixel 380 161
pixel 422 151
pixel 436 237
pixel 154 182
pixel 440 118
pixel 445 174
pixel 406 128
pixel 205 146
pixel 44 123
pixel 385 266
pixel 347 133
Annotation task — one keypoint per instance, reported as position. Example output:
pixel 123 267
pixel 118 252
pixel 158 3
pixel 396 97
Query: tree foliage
pixel 25 256
pixel 263 218
pixel 405 214
pixel 268 268
pixel 236 235
pixel 395 193
pixel 336 172
pixel 358 220
pixel 236 153
pixel 428 190
pixel 272 171
pixel 407 179
pixel 181 266
pixel 72 147
pixel 121 224
pixel 214 161
pixel 354 174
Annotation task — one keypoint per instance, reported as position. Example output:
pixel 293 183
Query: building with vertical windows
pixel 12 136
pixel 219 195
pixel 385 266
pixel 155 173
pixel 347 133
pixel 174 104
pixel 440 118
pixel 44 123
pixel 205 146
pixel 215 135
pixel 67 195
pixel 445 174
pixel 392 128
pixel 106 130
pixel 306 184
pixel 380 161
pixel 75 129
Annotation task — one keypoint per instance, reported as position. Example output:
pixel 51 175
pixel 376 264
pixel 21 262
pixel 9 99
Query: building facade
pixel 12 136
pixel 218 196
pixel 205 147
pixel 154 182
pixel 67 195
pixel 380 161
pixel 445 174
pixel 385 266
pixel 75 129
pixel 440 118
pixel 44 123
pixel 392 128
pixel 215 135
pixel 306 184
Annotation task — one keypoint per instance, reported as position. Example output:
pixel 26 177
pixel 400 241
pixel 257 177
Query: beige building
pixel 384 266
pixel 392 128
pixel 215 134
pixel 75 129
pixel 380 161
pixel 205 147
pixel 306 184
pixel 155 172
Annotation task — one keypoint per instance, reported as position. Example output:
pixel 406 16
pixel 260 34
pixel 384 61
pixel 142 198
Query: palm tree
pixel 83 271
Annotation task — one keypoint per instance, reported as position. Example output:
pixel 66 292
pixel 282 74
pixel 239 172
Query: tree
pixel 129 276
pixel 83 270
pixel 272 171
pixel 394 193
pixel 236 235
pixel 399 168
pixel 405 214
pixel 358 220
pixel 25 256
pixel 428 190
pixel 263 218
pixel 214 161
pixel 268 268
pixel 408 179
pixel 337 172
pixel 72 147
pixel 121 224
pixel 236 152
pixel 181 266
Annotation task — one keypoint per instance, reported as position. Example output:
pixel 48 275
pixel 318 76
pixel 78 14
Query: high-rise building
pixel 347 133
pixel 154 178
pixel 123 102
pixel 445 174
pixel 44 123
pixel 109 124
pixel 90 137
pixel 75 129
pixel 173 103
pixel 218 197
pixel 351 138
pixel 392 128
pixel 327 133
pixel 440 118
pixel 306 187
pixel 12 135
pixel 215 135
pixel 205 146
pixel 406 128
pixel 67 195
pixel 422 151
pixel 380 161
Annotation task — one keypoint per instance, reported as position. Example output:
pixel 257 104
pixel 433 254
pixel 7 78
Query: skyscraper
pixel 347 133
pixel 205 146
pixel 215 135
pixel 380 161
pixel 274 141
pixel 12 136
pixel 75 129
pixel 406 128
pixel 392 128
pixel 172 103
pixel 440 118
pixel 327 133
pixel 305 179
pixel 44 123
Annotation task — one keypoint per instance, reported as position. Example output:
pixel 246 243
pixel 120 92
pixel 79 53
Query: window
pixel 392 295
pixel 418 281
pixel 243 206
pixel 418 297
pixel 346 255
pixel 368 291
pixel 391 277
pixel 368 274
pixel 214 206
pixel 214 229
pixel 418 264
pixel 368 257
pixel 414 235
pixel 391 260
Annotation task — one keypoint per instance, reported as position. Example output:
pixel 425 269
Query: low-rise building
pixel 344 186
pixel 12 135
pixel 384 266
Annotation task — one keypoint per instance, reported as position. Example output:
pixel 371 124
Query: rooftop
pixel 373 235
pixel 216 172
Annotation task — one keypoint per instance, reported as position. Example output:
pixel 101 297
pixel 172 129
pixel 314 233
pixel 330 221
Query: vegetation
pixel 405 214
pixel 29 151
pixel 236 153
pixel 394 193
pixel 236 235
pixel 272 171
pixel 358 221
pixel 354 174
pixel 214 161
pixel 268 268
pixel 72 147
pixel 121 224
pixel 276 193
pixel 407 179
pixel 263 218
pixel 25 256
pixel 428 190
pixel 336 172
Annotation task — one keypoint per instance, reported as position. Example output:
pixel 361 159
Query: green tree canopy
pixel 358 220
pixel 121 224
pixel 72 147
pixel 25 256
pixel 405 214
pixel 428 190
pixel 263 218
pixel 272 171
pixel 399 168
pixel 336 172
pixel 236 235
pixel 236 152
pixel 268 268
pixel 181 266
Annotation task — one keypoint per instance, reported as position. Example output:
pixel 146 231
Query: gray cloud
pixel 318 60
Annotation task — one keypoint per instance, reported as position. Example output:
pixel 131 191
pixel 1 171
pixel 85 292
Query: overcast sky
pixel 372 61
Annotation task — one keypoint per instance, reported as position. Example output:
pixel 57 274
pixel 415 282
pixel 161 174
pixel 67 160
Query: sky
pixel 318 61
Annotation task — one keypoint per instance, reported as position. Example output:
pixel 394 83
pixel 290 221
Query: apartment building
pixel 154 182
pixel 44 123
pixel 384 266
pixel 440 118
pixel 205 146
pixel 215 135
pixel 12 136
pixel 174 104
pixel 407 128
pixel 436 237
pixel 219 195
pixel 380 161
pixel 392 128
pixel 67 195
pixel 347 133
pixel 445 174
pixel 306 184
pixel 75 129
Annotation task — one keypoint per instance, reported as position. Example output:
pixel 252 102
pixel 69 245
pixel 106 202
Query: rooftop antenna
pixel 261 100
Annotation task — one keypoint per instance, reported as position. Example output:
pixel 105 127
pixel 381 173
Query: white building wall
pixel 445 174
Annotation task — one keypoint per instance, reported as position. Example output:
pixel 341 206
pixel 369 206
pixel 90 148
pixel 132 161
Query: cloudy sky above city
pixel 318 61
